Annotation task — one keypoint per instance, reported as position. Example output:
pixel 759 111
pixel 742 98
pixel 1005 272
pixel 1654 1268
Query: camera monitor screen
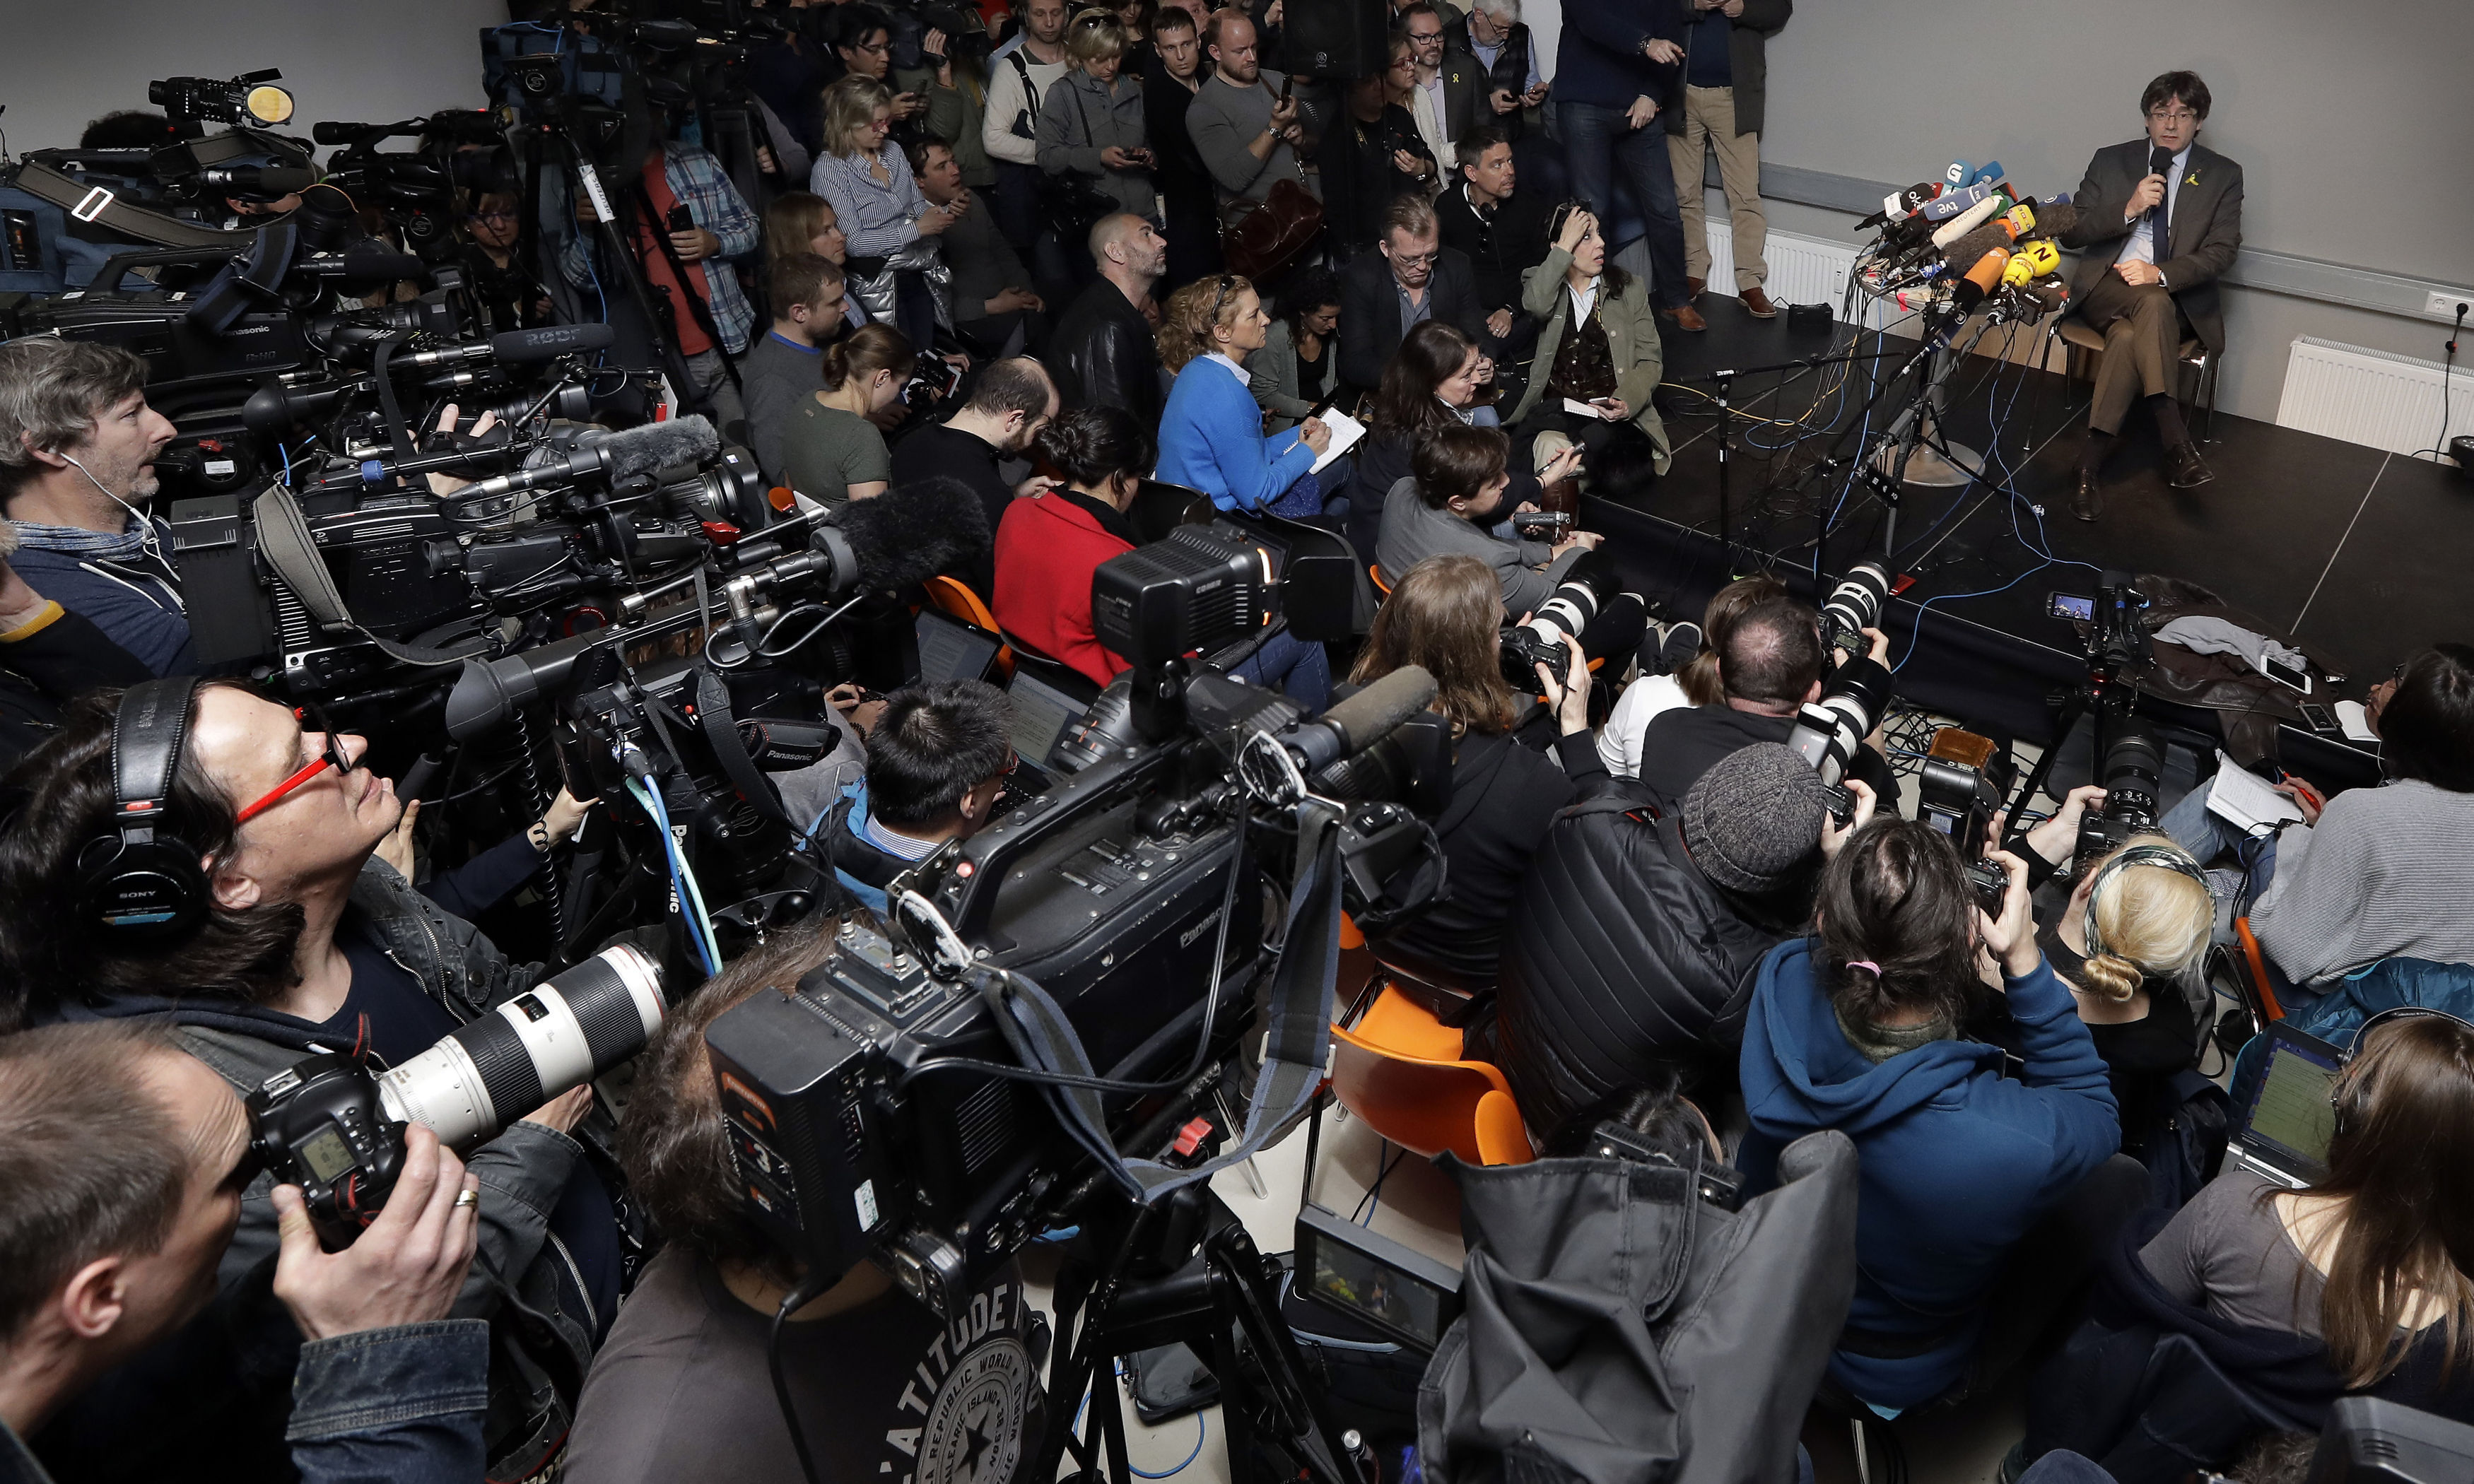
pixel 950 650
pixel 327 1154
pixel 1041 715
pixel 2289 1118
pixel 1370 1277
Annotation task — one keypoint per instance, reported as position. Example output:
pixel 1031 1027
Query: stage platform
pixel 2365 555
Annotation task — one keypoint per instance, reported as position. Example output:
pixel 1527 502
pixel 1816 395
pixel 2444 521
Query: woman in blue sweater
pixel 1211 434
pixel 1977 1216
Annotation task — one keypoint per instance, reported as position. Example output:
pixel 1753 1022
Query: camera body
pixel 333 1127
pixel 1990 885
pixel 1568 610
pixel 1830 730
pixel 1854 606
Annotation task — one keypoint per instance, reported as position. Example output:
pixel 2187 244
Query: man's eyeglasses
pixel 2171 115
pixel 1413 260
pixel 1421 37
pixel 492 218
pixel 874 48
pixel 312 719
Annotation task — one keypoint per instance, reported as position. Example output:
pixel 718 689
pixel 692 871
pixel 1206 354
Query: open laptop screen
pixel 1041 713
pixel 2291 1120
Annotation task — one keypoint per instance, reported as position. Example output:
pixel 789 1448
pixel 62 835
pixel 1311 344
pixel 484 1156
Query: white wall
pixel 2354 128
pixel 64 62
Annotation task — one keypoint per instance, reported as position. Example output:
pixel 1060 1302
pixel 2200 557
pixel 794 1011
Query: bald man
pixel 1103 354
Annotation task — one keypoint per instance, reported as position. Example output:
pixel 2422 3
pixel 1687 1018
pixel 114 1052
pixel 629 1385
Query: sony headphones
pixel 135 878
pixel 2172 857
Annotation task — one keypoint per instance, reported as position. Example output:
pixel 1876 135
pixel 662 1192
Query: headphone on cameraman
pixel 136 877
pixel 2171 857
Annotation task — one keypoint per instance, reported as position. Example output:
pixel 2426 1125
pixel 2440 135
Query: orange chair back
pixel 1375 570
pixel 1401 1070
pixel 955 598
pixel 2255 964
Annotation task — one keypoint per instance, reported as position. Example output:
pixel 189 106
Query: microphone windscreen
pixel 1964 221
pixel 1371 715
pixel 284 181
pixel 1971 248
pixel 550 342
pixel 2056 218
pixel 332 132
pixel 915 531
pixel 659 446
pixel 2160 160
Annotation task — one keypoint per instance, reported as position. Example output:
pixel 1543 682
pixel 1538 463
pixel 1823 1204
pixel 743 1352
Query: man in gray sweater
pixel 788 364
pixel 1248 137
pixel 2378 872
pixel 1443 510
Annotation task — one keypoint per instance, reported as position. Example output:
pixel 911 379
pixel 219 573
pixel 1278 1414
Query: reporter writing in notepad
pixel 1211 434
pixel 2373 873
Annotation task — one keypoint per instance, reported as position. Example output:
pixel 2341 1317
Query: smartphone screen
pixel 2319 717
pixel 681 220
pixel 2063 606
pixel 2285 675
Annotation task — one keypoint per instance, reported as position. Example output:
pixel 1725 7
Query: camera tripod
pixel 1274 1424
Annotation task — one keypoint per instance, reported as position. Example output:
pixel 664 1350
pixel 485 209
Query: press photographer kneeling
pixel 244 908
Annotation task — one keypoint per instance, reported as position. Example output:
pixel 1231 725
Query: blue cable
pixel 1202 1428
pixel 682 881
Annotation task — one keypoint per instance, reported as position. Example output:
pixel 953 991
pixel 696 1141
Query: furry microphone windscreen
pixel 915 531
pixel 659 446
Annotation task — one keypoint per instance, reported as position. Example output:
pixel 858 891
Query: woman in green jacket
pixel 1599 346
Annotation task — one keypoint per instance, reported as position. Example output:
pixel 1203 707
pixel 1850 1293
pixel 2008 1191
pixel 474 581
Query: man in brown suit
pixel 2154 237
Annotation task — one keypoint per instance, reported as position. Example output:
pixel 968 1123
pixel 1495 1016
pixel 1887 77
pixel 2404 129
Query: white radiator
pixel 1803 270
pixel 2364 397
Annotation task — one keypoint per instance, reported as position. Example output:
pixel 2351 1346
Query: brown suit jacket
pixel 2203 235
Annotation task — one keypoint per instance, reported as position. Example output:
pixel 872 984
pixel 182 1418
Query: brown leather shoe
pixel 2182 465
pixel 1757 304
pixel 1692 286
pixel 2087 497
pixel 1687 318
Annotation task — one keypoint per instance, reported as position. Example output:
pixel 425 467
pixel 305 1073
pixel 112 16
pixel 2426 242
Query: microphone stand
pixel 1724 381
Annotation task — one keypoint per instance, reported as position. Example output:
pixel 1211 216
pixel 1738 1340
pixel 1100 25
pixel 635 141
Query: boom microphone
pixel 1352 725
pixel 259 179
pixel 621 456
pixel 915 531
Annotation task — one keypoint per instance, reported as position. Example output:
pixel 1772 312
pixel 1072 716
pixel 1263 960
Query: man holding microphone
pixel 2159 220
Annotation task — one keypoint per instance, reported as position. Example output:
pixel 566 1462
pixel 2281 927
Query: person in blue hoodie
pixel 1982 1205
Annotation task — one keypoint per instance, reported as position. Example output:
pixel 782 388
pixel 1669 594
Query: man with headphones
pixel 189 851
pixel 77 449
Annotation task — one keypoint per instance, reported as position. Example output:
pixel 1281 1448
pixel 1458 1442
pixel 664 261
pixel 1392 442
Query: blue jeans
pixel 1312 495
pixel 1298 668
pixel 2206 835
pixel 1597 142
pixel 403 1405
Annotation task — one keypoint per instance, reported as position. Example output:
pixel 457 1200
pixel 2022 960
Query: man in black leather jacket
pixel 1103 353
pixel 1636 937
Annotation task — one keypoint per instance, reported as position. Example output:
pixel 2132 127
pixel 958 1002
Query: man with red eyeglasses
pixel 308 945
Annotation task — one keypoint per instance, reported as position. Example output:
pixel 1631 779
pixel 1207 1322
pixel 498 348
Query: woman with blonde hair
pixel 1211 433
pixel 1091 130
pixel 2136 928
pixel 1444 615
pixel 877 203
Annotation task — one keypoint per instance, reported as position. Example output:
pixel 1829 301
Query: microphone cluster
pixel 1969 242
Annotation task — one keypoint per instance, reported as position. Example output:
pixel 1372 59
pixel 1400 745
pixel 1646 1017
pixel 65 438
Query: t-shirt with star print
pixel 885 1392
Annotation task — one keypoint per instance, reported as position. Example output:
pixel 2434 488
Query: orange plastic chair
pixel 1375 571
pixel 955 598
pixel 2254 964
pixel 1401 1069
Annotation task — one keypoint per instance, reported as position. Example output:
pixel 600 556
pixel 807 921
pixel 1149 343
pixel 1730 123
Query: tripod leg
pixel 2013 836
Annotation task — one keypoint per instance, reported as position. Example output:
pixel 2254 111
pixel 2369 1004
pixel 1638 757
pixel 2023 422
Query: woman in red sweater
pixel 1048 545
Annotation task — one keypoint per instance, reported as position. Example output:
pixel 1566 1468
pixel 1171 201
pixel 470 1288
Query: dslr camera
pixel 1964 780
pixel 1829 730
pixel 1540 640
pixel 2130 763
pixel 1854 606
pixel 335 1129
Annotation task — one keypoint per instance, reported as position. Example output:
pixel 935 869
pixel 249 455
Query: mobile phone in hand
pixel 681 220
pixel 1288 84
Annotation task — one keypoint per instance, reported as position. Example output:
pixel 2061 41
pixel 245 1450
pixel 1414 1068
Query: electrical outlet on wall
pixel 2449 305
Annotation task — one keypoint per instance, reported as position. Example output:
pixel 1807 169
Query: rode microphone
pixel 259 179
pixel 520 348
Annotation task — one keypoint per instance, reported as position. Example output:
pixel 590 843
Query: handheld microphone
pixel 1968 220
pixel 1953 203
pixel 363 270
pixel 1898 205
pixel 1959 172
pixel 519 348
pixel 1979 279
pixel 273 180
pixel 2015 273
pixel 1986 172
pixel 2041 256
pixel 2160 162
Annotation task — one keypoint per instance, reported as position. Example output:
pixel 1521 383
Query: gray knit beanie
pixel 1753 823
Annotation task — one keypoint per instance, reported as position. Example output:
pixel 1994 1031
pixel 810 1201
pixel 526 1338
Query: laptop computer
pixel 2283 1117
pixel 1042 713
pixel 950 650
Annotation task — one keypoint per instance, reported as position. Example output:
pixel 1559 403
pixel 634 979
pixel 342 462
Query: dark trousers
pixel 1193 239
pixel 2143 345
pixel 2049 1272
pixel 1598 143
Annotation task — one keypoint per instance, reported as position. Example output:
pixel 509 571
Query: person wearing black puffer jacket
pixel 1443 615
pixel 1636 937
